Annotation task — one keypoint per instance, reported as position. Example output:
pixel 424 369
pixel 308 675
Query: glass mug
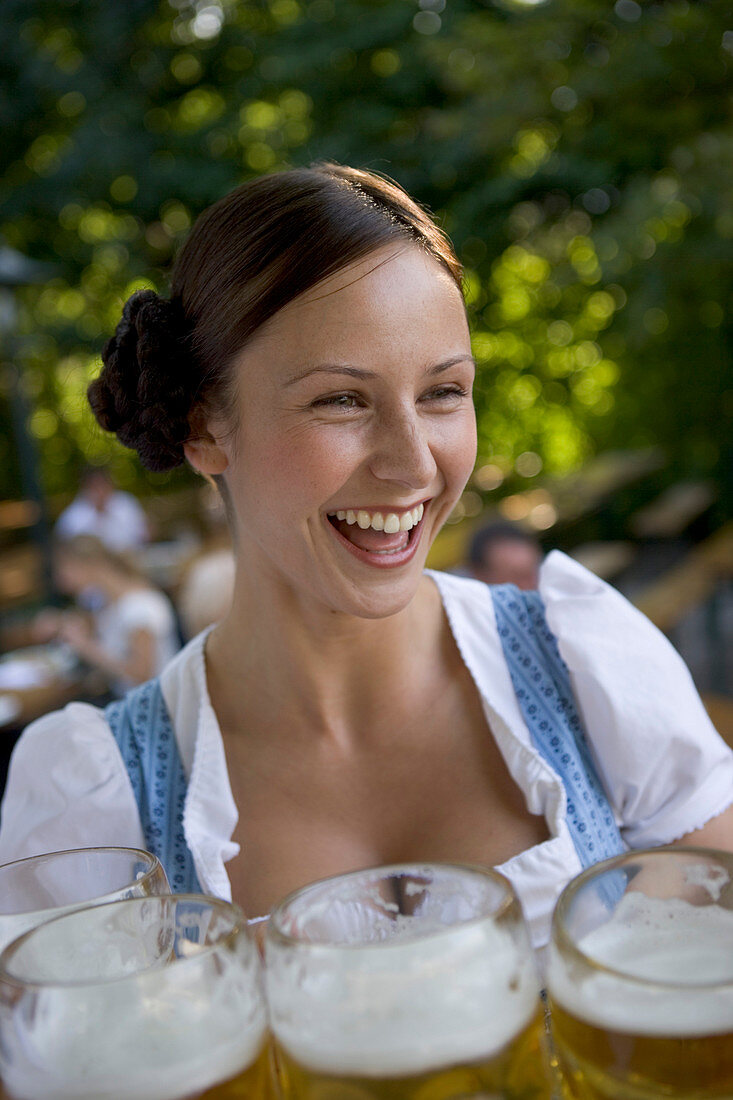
pixel 155 998
pixel 44 886
pixel 640 977
pixel 412 982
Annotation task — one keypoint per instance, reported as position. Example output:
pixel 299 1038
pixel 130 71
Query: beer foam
pixel 673 969
pixel 402 1007
pixel 128 1048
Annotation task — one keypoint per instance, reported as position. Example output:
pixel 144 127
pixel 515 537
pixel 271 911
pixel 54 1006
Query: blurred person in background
pixel 131 635
pixel 114 517
pixel 501 553
pixel 205 593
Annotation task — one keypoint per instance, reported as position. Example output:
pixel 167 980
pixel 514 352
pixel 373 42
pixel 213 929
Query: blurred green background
pixel 578 152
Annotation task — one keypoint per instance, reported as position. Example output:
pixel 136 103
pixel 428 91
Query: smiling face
pixel 355 434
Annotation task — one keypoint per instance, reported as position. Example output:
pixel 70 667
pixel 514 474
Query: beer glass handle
pixel 258 927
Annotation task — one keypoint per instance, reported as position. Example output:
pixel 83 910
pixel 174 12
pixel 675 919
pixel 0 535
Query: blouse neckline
pixel 210 814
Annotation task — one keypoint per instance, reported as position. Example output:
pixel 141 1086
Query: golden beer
pixel 256 1082
pixel 600 1064
pixel 513 1073
pixel 641 978
pixel 414 982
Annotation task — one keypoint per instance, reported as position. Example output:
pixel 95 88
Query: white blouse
pixel 665 769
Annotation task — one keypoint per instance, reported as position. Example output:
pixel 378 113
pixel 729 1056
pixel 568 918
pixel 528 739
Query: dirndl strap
pixel 542 686
pixel 142 729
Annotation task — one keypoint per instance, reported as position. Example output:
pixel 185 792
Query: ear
pixel 205 454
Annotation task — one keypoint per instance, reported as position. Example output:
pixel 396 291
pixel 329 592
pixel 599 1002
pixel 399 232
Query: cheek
pixel 298 471
pixel 459 449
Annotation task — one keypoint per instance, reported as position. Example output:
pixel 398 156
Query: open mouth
pixel 379 534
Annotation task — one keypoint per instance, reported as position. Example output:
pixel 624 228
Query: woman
pixel 314 359
pixel 133 634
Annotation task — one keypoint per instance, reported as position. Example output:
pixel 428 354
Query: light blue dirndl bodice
pixel 142 729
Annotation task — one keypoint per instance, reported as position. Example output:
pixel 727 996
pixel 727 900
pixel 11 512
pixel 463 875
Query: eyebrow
pixel 359 372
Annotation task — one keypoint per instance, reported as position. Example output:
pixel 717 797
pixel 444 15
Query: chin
pixel 378 600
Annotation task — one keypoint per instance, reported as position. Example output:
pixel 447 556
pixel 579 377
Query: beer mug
pixel 155 998
pixel 411 982
pixel 40 887
pixel 640 977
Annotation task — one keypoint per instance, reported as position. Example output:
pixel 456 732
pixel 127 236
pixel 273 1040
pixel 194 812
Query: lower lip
pixel 382 561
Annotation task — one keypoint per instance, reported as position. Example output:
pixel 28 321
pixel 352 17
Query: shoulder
pixel 74 514
pixel 127 511
pixel 74 744
pixel 144 606
pixel 67 787
pixel 601 634
pixel 126 502
pixel 566 583
pixel 664 766
pixel 614 652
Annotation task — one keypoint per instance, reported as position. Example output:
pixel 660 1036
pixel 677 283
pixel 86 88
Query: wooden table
pixel 35 701
pixel 38 679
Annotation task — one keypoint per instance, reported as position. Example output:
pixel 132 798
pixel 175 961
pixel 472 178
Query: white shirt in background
pixel 142 609
pixel 121 526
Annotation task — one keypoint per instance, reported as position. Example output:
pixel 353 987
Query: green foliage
pixel 579 153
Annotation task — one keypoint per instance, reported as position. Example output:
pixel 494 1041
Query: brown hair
pixel 247 256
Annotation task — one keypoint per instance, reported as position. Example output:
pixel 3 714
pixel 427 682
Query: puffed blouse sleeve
pixel 67 787
pixel 665 768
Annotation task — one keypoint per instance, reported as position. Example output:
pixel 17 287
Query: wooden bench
pixel 690 583
pixel 605 559
pixel 697 581
pixel 673 511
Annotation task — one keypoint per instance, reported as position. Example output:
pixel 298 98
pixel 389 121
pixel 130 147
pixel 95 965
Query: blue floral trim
pixel 142 729
pixel 542 685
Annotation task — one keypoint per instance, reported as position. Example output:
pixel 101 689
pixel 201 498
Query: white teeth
pixel 390 522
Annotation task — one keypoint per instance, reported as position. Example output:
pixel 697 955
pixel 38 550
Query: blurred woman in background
pixel 132 633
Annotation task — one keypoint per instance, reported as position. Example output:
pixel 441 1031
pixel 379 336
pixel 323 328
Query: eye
pixel 451 392
pixel 337 401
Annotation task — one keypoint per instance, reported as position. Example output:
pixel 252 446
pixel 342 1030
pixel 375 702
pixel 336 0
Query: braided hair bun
pixel 144 391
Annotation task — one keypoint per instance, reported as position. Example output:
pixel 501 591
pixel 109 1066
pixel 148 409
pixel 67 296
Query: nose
pixel 402 451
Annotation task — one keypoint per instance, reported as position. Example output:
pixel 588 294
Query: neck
pixel 332 672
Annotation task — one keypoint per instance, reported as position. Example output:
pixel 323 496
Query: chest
pixel 432 787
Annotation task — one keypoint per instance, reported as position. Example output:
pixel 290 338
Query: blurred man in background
pixel 501 553
pixel 101 510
